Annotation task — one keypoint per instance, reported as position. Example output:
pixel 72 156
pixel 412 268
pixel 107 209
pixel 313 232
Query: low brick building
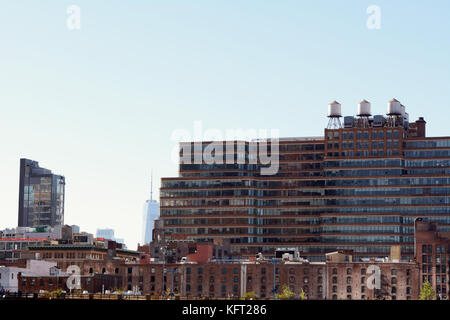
pixel 90 258
pixel 348 279
pixel 432 251
pixel 95 283
pixel 337 278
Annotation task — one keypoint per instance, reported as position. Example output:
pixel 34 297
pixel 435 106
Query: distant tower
pixel 151 212
pixel 334 113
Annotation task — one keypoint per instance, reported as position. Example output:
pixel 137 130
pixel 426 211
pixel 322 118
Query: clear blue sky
pixel 99 104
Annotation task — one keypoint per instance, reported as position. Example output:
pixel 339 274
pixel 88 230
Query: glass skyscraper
pixel 41 196
pixel 151 212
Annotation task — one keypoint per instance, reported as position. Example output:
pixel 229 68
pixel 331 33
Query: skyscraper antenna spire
pixel 151 185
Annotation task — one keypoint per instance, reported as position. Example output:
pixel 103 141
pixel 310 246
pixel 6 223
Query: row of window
pixel 374 134
pixel 307 202
pixel 301 183
pixel 304 192
pixel 428 248
pixel 364 144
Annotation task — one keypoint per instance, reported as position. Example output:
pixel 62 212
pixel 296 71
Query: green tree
pixel 302 295
pixel 427 292
pixel 286 293
pixel 249 296
pixel 56 293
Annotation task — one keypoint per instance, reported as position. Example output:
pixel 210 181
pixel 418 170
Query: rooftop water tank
pixel 394 108
pixel 334 110
pixel 364 109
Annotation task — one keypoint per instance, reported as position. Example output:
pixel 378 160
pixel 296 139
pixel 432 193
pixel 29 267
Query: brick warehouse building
pixel 334 279
pixel 348 279
pixel 337 278
pixel 359 188
pixel 90 258
pixel 93 283
pixel 433 256
pixel 202 274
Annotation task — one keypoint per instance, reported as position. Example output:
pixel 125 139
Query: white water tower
pixel 334 113
pixel 364 113
pixel 394 108
pixel 395 112
pixel 364 109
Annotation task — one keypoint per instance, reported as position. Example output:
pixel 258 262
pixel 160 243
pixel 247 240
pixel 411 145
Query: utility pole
pixel 274 261
pixel 163 251
pixel 171 281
